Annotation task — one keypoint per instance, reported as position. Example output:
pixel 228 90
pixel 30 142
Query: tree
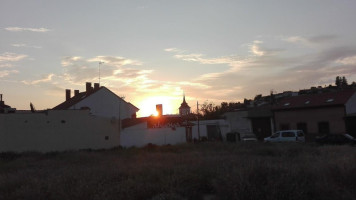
pixel 344 81
pixel 338 81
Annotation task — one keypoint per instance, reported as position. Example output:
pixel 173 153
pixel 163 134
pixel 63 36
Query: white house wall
pixel 351 105
pixel 57 131
pixel 106 104
pixel 221 123
pixel 140 135
pixel 239 122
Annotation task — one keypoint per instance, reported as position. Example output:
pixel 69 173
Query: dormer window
pixel 307 102
pixel 329 100
pixel 286 104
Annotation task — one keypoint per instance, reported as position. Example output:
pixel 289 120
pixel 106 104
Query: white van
pixel 286 136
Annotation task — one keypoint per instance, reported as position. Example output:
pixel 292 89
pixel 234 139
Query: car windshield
pixel 349 136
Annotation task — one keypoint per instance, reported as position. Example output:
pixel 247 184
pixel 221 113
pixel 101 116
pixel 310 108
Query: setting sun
pixel 147 105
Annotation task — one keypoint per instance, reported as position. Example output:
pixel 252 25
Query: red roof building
pixel 100 100
pixel 316 113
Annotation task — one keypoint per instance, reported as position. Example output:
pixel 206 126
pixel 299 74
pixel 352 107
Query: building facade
pixel 316 114
pixel 101 102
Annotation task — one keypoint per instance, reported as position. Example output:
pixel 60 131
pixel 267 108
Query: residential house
pixel 257 120
pixel 101 102
pixel 316 114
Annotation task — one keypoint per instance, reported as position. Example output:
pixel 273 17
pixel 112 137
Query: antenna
pixel 99 69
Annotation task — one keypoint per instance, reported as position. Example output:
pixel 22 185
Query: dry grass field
pixel 189 171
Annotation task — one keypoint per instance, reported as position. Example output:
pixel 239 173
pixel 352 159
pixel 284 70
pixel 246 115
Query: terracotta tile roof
pixel 75 99
pixel 81 96
pixel 338 98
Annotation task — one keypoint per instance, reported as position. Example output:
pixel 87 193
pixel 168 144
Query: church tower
pixel 184 109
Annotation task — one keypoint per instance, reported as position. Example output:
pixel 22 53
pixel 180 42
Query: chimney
pixel 67 94
pixel 76 92
pixel 1 102
pixel 88 87
pixel 96 86
pixel 159 109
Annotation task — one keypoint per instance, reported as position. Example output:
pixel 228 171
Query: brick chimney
pixel 76 92
pixel 2 103
pixel 88 87
pixel 68 94
pixel 96 86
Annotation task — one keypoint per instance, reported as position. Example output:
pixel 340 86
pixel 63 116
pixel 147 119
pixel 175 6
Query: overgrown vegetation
pixel 214 170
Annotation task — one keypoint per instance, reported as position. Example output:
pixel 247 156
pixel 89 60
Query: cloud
pixel 347 61
pixel 173 50
pixel 45 79
pixel 112 60
pixel 5 73
pixel 11 57
pixel 256 49
pixel 278 70
pixel 319 39
pixel 79 70
pixel 21 29
pixel 26 45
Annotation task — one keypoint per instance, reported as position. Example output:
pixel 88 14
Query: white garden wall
pixel 58 130
pixel 140 136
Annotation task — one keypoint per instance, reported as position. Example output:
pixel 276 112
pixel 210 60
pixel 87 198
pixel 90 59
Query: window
pixel 106 137
pixel 288 134
pixel 324 128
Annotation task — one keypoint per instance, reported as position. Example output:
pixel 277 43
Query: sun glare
pixel 155 113
pixel 147 105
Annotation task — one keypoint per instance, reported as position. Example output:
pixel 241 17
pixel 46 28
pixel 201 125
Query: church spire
pixel 184 97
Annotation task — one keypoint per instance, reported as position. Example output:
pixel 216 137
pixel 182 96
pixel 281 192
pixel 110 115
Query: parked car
pixel 249 138
pixel 286 136
pixel 336 139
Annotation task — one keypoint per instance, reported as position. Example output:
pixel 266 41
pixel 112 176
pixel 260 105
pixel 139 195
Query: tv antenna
pixel 100 63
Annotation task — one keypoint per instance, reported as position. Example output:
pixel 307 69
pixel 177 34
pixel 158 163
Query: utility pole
pixel 198 121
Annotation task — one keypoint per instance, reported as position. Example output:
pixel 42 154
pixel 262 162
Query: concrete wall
pixel 351 105
pixel 333 115
pixel 239 122
pixel 221 123
pixel 104 103
pixel 57 130
pixel 140 136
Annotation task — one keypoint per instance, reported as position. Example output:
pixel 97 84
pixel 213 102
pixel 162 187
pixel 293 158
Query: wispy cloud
pixel 176 50
pixel 11 57
pixel 256 49
pixel 26 45
pixel 5 73
pixel 78 69
pixel 45 79
pixel 21 29
pixel 319 39
pixel 347 61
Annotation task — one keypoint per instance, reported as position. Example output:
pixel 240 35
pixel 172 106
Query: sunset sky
pixel 154 50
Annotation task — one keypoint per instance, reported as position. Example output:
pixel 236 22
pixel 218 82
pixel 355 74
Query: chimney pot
pixel 68 94
pixel 76 92
pixel 88 86
pixel 96 86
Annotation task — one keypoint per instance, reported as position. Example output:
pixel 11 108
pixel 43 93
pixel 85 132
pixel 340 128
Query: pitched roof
pixel 81 96
pixel 338 98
